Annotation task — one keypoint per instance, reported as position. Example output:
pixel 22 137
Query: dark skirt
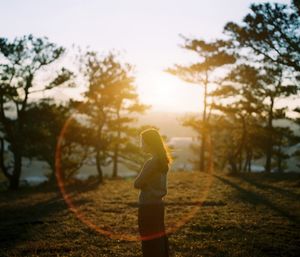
pixel 152 230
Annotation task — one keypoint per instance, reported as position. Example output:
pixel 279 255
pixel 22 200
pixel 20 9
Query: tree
pixel 296 5
pixel 272 32
pixel 21 61
pixel 42 137
pixel 240 103
pixel 283 139
pixel 256 91
pixel 125 103
pixel 96 106
pixel 109 104
pixel 274 88
pixel 212 55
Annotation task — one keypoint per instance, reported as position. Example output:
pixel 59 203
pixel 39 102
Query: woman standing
pixel 152 181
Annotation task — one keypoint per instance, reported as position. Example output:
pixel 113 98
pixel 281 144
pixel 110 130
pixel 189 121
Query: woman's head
pixel 153 143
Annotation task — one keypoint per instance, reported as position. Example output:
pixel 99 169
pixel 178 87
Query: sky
pixel 146 34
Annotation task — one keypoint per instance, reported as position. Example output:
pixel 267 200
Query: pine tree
pixel 43 136
pixel 271 33
pixel 21 61
pixel 125 107
pixel 212 55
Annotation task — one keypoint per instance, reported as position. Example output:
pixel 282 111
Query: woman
pixel 152 181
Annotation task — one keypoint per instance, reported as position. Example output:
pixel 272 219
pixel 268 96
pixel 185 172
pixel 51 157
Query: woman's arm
pixel 144 175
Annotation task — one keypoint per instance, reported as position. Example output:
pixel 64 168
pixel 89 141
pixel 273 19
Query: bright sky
pixel 146 33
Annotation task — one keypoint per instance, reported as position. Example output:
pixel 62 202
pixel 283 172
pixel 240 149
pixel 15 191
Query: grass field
pixel 206 215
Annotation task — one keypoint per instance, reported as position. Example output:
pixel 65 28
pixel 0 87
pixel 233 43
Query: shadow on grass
pixel 16 221
pixel 24 221
pixel 282 191
pixel 255 199
pixel 187 203
pixel 84 186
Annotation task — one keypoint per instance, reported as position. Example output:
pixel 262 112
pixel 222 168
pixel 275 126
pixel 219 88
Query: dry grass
pixel 206 215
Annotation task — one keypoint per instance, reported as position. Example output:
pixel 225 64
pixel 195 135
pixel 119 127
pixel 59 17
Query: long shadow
pixel 283 192
pixel 15 221
pixel 83 186
pixel 19 223
pixel 255 199
pixel 186 203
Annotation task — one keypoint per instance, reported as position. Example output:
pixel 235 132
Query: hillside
pixel 206 215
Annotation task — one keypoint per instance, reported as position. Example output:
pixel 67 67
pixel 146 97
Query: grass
pixel 206 215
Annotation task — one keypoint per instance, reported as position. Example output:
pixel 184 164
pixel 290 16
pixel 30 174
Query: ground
pixel 206 215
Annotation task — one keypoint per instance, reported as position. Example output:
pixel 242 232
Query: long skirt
pixel 152 230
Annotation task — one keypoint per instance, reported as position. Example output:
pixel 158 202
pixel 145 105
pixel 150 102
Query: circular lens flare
pixel 122 236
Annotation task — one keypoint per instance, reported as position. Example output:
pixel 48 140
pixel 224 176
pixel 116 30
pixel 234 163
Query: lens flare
pixel 115 235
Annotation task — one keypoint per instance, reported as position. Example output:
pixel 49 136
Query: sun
pixel 167 92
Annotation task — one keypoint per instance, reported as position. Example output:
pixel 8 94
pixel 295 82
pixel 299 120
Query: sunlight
pixel 150 128
pixel 167 92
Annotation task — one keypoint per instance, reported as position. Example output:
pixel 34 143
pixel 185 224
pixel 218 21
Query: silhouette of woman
pixel 152 182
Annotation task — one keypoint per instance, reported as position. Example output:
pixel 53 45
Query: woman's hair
pixel 155 141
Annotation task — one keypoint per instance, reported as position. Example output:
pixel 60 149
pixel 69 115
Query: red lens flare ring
pixel 111 234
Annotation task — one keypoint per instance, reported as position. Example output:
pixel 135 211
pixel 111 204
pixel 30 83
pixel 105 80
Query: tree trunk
pixel 116 150
pixel 240 169
pixel 245 166
pixel 203 142
pixel 98 166
pixel 17 152
pixel 52 177
pixel 232 162
pixel 249 161
pixel 115 162
pixel 269 151
pixel 15 178
pixel 202 153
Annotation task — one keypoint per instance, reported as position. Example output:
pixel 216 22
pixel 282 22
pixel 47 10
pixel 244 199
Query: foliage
pixel 20 62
